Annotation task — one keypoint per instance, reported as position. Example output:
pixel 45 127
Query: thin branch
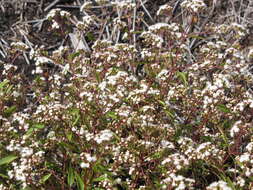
pixel 175 8
pixel 202 26
pixel 51 5
pixel 134 20
pixel 144 8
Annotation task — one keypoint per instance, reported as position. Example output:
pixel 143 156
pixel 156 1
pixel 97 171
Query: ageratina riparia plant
pixel 145 104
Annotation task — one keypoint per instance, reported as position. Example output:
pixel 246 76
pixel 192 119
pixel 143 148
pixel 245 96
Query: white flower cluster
pixel 250 53
pixel 20 46
pixel 8 68
pixel 86 23
pixel 137 94
pixel 53 110
pixel 164 9
pixel 60 51
pixel 235 129
pixel 240 30
pixel 171 30
pixel 89 159
pixel 245 160
pixel 28 159
pixel 101 44
pixel 220 185
pixel 2 187
pixel 176 162
pixel 39 61
pixel 21 119
pixel 105 135
pixel 214 92
pixel 118 22
pixel 205 151
pixel 85 5
pixel 163 75
pixel 20 171
pixel 167 144
pixel 152 39
pixel 178 182
pixel 194 6
pixel 158 26
pixel 124 4
pixel 54 13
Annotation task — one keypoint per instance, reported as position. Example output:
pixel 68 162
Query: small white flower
pixel 90 158
pixel 220 185
pixel 84 165
pixel 235 129
pixel 244 158
pixel 164 9
pixel 104 135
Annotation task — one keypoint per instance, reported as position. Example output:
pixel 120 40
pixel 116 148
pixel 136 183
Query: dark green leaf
pixel 223 108
pixel 4 176
pixel 29 132
pixel 111 114
pixel 10 110
pixel 8 91
pixel 69 135
pixel 101 178
pixel 90 36
pixel 80 183
pixel 39 126
pixel 45 178
pixel 7 159
pixel 2 84
pixel 195 36
pixel 73 55
pixel 67 146
pixel 183 77
pixel 71 178
pixel 77 119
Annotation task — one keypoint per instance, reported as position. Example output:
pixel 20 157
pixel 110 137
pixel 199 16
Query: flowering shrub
pixel 145 111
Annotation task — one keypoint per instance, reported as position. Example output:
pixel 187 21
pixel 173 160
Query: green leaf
pixel 33 128
pixel 228 181
pixel 4 176
pixel 80 183
pixel 29 132
pixel 10 110
pixel 90 36
pixel 156 155
pixel 39 126
pixel 223 108
pixel 111 114
pixel 70 178
pixel 7 159
pixel 69 135
pixel 67 146
pixel 183 77
pixel 162 103
pixel 195 36
pixel 73 55
pixel 169 114
pixel 8 91
pixel 98 77
pixel 2 84
pixel 101 178
pixel 45 178
pixel 77 119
